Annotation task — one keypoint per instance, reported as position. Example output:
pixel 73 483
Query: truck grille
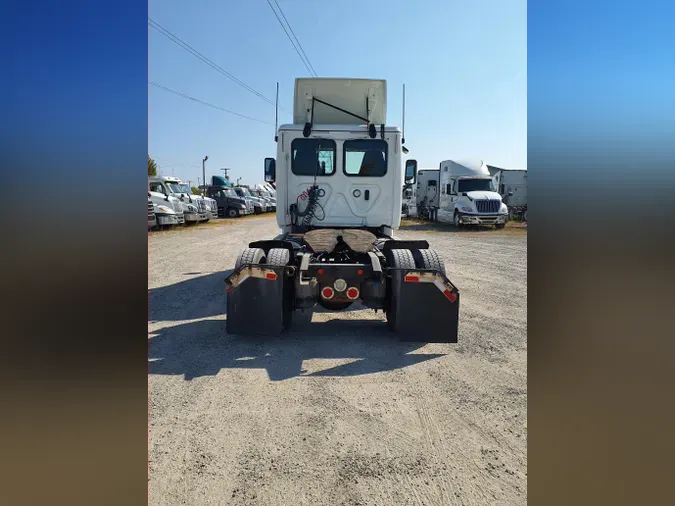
pixel 487 206
pixel 151 209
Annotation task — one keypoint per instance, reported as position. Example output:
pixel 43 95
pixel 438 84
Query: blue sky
pixel 464 65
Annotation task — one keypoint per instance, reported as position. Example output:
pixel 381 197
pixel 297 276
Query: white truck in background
pixel 426 193
pixel 168 209
pixel 512 186
pixel 467 195
pixel 210 207
pixel 409 208
pixel 189 211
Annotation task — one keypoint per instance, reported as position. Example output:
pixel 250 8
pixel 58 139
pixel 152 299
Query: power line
pixel 206 103
pixel 296 38
pixel 176 40
pixel 308 64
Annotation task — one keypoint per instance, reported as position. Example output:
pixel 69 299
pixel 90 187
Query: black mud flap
pixel 425 306
pixel 259 300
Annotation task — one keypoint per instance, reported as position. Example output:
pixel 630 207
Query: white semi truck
pixel 409 207
pixel 467 195
pixel 169 209
pixel 339 173
pixel 169 186
pixel 512 186
pixel 427 193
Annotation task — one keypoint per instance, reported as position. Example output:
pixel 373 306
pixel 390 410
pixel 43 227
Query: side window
pixel 448 188
pixel 310 156
pixel 157 187
pixel 365 157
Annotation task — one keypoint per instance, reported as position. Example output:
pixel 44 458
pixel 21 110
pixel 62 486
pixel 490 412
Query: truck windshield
pixel 472 185
pixel 176 188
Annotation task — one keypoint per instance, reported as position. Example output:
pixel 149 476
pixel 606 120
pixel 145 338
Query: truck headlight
pixel 467 209
pixel 164 209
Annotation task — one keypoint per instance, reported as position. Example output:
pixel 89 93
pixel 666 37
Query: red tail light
pixel 412 279
pixel 271 275
pixel 327 293
pixel 451 296
pixel 353 293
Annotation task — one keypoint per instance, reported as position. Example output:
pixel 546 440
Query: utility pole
pixel 198 183
pixel 238 179
pixel 204 172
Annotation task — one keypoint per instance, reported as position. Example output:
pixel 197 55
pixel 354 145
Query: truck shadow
pixel 200 297
pixel 354 347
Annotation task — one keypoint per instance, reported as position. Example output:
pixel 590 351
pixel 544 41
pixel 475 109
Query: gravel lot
pixel 338 412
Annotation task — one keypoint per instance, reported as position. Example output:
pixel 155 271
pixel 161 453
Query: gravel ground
pixel 338 412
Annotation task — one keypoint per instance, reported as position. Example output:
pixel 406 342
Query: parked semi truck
pixel 169 209
pixel 512 186
pixel 230 205
pixel 427 193
pixel 258 205
pixel 168 186
pixel 339 174
pixel 409 207
pixel 467 195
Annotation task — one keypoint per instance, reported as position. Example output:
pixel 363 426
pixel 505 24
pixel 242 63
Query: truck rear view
pixel 338 176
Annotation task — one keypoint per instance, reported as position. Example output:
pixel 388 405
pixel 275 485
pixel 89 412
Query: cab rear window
pixel 365 157
pixel 313 157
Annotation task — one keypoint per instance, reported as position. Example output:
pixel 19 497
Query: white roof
pixel 366 98
pixel 470 167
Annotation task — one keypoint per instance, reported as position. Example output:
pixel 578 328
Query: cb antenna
pixel 403 132
pixel 276 115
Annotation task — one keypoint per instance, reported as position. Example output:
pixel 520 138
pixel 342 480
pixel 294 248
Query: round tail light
pixel 353 293
pixel 327 293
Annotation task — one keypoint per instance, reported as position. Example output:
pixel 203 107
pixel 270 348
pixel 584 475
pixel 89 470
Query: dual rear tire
pixel 406 259
pixel 275 256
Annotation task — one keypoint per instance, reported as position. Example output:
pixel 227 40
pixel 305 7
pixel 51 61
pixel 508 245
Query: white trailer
pixel 468 196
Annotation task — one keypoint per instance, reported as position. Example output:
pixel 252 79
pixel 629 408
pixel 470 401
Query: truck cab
pixel 468 196
pixel 256 204
pixel 427 193
pixel 338 175
pixel 192 211
pixel 229 203
pixel 409 207
pixel 168 208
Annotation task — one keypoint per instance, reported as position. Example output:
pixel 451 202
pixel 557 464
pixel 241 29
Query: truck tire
pixel 455 220
pixel 232 212
pixel 400 259
pixel 431 260
pixel 278 256
pixel 250 256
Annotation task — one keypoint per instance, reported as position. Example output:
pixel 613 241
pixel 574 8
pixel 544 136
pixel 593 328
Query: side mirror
pixel 410 171
pixel 270 170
